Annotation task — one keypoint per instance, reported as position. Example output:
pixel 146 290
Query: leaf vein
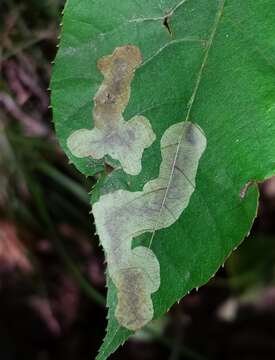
pixel 191 102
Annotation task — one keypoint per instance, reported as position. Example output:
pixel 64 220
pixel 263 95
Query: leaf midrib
pixel 190 106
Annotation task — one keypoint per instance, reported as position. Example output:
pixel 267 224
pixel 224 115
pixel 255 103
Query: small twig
pixel 32 125
pixel 31 81
pixel 32 42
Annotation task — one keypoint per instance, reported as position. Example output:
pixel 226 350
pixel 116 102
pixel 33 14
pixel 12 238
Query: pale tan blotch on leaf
pixel 122 140
pixel 123 215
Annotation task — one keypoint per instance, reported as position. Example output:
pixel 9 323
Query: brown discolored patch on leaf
pixel 122 140
pixel 114 93
pixel 135 306
pixel 122 215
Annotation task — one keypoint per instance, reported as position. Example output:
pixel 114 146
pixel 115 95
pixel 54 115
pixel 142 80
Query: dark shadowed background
pixel 52 283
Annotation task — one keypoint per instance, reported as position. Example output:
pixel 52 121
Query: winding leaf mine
pixel 122 215
pixel 122 140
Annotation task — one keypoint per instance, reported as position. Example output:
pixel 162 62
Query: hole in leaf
pixel 108 168
pixel 166 24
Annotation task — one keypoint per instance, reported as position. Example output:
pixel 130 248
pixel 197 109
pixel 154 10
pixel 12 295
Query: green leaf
pixel 214 66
